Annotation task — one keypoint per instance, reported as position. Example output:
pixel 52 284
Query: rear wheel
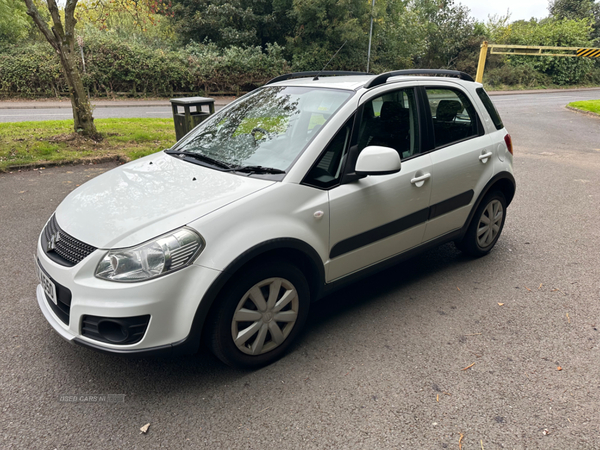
pixel 486 226
pixel 259 315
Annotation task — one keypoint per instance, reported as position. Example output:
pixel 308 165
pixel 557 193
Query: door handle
pixel 419 181
pixel 485 156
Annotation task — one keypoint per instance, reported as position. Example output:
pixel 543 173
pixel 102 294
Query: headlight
pixel 155 258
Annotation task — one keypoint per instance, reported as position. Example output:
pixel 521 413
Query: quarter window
pixel 326 172
pixel 454 118
pixel 489 106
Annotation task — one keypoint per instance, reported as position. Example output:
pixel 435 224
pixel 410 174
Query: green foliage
pixel 571 9
pixel 553 32
pixel 33 70
pixel 233 68
pixel 423 33
pixel 115 65
pixel 400 36
pixel 522 76
pixel 449 26
pixel 237 45
pixel 322 27
pixel 13 22
pixel 233 23
pixel 122 24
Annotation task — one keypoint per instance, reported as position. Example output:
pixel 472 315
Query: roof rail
pixel 381 79
pixel 315 73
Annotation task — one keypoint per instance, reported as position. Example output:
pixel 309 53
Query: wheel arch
pixel 504 182
pixel 292 250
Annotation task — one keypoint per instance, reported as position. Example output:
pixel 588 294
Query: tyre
pixel 258 315
pixel 485 227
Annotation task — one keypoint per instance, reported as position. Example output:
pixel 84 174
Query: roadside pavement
pixel 124 103
pixel 219 101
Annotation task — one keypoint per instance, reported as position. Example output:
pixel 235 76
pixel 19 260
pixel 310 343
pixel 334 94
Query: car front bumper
pixel 171 301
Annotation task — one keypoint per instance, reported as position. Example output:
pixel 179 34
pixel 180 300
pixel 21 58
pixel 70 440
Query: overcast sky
pixel 519 9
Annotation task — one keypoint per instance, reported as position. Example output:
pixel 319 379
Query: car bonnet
pixel 143 199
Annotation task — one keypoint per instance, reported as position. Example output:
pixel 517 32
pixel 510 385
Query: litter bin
pixel 186 121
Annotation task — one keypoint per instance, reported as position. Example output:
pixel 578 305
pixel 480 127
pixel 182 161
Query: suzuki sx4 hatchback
pixel 288 193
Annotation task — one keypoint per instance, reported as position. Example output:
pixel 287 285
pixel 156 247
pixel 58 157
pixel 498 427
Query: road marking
pixel 33 115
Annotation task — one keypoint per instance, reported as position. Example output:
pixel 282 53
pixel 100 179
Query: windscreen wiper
pixel 200 157
pixel 257 169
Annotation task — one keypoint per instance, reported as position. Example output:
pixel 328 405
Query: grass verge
pixel 24 144
pixel 592 106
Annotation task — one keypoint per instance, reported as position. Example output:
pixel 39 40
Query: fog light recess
pixel 113 330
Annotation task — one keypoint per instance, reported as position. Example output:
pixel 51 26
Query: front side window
pixel 268 128
pixel 454 117
pixel 390 120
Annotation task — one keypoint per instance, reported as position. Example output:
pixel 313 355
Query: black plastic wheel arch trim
pixel 191 344
pixel 502 176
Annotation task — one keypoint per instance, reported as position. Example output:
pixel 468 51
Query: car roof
pixel 355 82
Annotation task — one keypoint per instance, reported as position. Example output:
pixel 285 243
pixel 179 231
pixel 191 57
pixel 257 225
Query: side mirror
pixel 376 160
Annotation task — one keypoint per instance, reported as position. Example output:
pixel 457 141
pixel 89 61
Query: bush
pixel 116 66
pixel 523 76
pixel 29 71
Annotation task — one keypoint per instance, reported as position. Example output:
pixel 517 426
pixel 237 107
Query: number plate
pixel 46 282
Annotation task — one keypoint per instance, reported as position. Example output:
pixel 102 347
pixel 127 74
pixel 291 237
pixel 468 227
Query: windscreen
pixel 267 128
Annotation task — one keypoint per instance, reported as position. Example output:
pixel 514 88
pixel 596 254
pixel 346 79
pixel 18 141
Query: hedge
pixel 117 66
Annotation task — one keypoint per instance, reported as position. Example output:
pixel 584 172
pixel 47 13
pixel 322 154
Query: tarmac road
pixel 28 110
pixel 383 363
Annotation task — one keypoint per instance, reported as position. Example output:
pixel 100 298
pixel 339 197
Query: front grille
pixel 63 248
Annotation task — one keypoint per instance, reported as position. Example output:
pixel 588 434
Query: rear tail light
pixel 508 141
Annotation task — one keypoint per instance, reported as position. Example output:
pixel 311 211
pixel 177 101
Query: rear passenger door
pixel 461 158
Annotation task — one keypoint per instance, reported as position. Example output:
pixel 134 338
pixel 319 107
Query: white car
pixel 287 194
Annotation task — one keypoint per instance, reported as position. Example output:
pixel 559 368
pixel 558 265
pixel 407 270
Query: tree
pixel 233 22
pixel 571 9
pixel 61 36
pixel 576 10
pixel 322 27
pixel 13 22
pixel 449 27
pixel 62 39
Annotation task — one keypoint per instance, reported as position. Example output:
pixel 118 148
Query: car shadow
pixel 145 378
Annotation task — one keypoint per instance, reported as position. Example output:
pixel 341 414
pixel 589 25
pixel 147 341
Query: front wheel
pixel 259 315
pixel 486 226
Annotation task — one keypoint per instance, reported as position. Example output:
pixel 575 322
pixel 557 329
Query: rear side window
pixel 491 109
pixel 454 117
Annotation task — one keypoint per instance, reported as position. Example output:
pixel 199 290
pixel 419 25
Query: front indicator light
pixel 160 256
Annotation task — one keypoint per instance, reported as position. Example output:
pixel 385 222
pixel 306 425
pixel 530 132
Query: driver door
pixel 377 217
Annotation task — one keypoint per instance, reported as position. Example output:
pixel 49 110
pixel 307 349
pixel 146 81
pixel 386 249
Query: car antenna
pixel 323 69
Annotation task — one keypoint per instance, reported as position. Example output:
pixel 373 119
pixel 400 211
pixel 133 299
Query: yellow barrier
pixel 531 50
